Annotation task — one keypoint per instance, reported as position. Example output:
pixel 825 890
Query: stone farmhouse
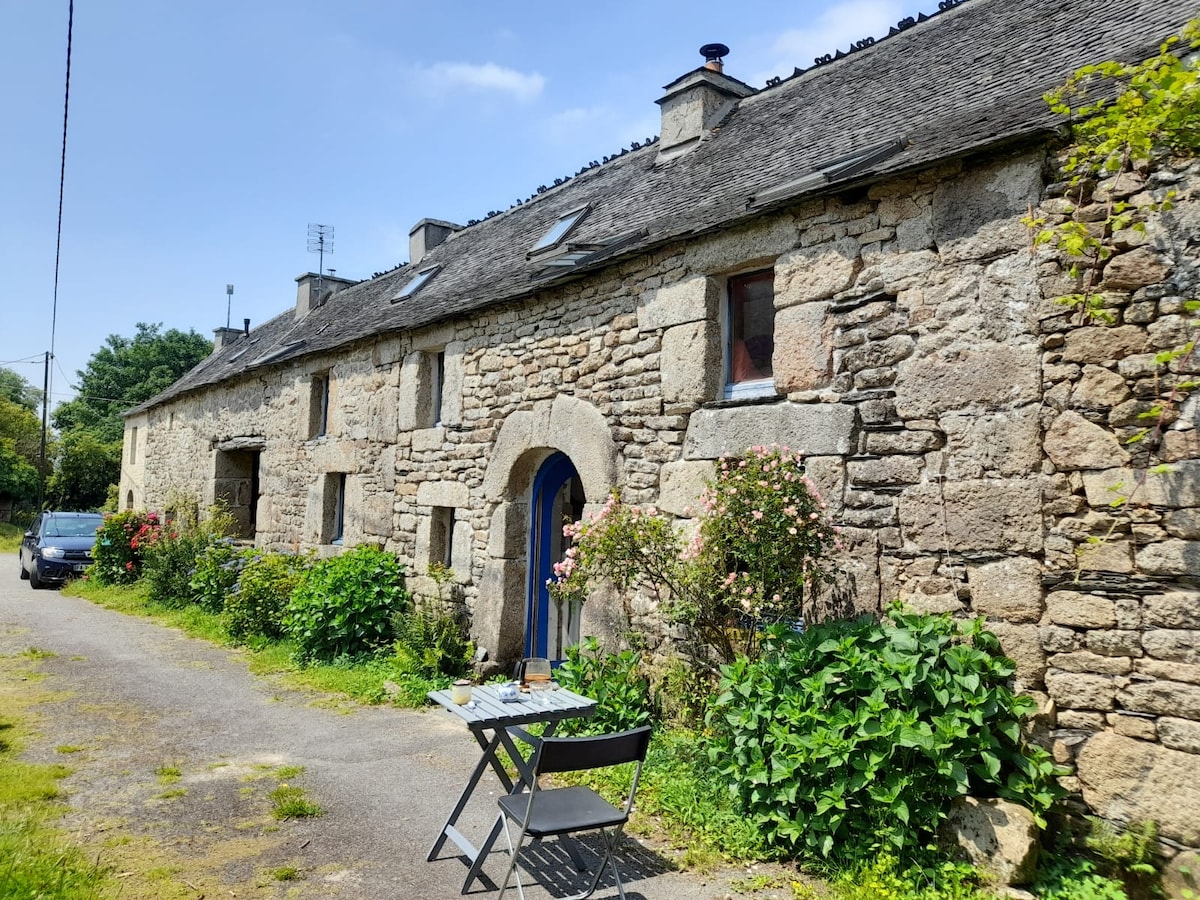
pixel 836 262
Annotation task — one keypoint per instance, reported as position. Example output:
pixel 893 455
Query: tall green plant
pixel 169 560
pixel 256 604
pixel 344 605
pixel 860 733
pixel 621 692
pixel 216 571
pixel 432 643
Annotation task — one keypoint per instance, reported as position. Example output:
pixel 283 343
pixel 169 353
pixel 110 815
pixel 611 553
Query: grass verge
pixel 36 858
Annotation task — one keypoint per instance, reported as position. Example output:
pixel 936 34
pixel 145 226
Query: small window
pixel 560 229
pixel 133 444
pixel 335 508
pixel 431 389
pixel 441 536
pixel 437 384
pixel 318 406
pixel 751 335
pixel 416 284
pixel 128 500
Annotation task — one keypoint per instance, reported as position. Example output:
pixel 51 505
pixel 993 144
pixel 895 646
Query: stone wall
pixel 966 431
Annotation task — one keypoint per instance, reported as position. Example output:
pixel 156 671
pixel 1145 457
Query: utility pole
pixel 45 422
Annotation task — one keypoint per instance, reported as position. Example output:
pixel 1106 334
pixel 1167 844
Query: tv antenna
pixel 320 242
pixel 228 302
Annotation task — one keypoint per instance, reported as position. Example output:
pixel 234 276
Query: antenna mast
pixel 320 242
pixel 228 302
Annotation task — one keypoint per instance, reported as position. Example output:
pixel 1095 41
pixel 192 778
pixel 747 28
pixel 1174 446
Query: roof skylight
pixel 560 229
pixel 416 284
pixel 835 170
pixel 278 353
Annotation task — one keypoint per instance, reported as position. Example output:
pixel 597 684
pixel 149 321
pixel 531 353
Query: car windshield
pixel 76 526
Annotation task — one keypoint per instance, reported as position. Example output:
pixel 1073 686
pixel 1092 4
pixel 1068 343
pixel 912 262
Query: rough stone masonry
pixel 968 433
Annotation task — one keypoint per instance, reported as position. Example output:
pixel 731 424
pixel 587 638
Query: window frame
pixel 414 284
pixel 752 388
pixel 437 385
pixel 336 521
pixel 560 229
pixel 441 536
pixel 318 405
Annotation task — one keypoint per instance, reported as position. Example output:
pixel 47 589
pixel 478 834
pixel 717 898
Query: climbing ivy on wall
pixel 1127 121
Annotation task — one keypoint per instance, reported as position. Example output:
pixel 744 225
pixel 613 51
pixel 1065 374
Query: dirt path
pixel 127 704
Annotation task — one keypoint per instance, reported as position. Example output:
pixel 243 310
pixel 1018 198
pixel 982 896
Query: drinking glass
pixel 538 675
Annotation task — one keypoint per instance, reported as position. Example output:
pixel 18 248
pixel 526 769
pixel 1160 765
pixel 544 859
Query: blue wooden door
pixel 557 499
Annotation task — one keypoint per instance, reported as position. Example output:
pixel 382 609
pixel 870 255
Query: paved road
pixel 137 697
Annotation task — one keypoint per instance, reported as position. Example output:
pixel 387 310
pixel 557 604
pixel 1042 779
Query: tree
pixel 126 372
pixel 17 390
pixel 83 471
pixel 121 374
pixel 20 440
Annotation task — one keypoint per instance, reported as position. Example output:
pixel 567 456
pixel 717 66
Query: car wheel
pixel 24 574
pixel 34 581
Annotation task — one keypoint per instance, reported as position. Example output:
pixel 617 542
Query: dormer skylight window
pixel 416 284
pixel 560 229
pixel 834 170
pixel 278 353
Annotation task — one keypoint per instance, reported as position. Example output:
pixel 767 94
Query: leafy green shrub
pixel 169 561
pixel 884 879
pixel 857 733
pixel 216 571
pixel 256 604
pixel 1075 877
pixel 621 693
pixel 121 543
pixel 430 643
pixel 344 605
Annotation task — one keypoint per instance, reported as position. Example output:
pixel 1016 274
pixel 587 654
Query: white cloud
pixel 836 28
pixel 443 78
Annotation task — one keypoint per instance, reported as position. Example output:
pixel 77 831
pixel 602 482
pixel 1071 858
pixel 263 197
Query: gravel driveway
pixel 127 702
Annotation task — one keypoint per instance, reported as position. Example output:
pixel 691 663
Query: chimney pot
pixel 246 326
pixel 713 54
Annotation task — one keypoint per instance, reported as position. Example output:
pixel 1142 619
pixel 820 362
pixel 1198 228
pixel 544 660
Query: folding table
pixel 497 725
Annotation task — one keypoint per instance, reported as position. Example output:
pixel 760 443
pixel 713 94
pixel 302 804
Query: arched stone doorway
pixel 558 500
pixel 529 462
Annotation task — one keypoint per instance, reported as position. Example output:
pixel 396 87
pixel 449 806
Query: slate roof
pixel 969 77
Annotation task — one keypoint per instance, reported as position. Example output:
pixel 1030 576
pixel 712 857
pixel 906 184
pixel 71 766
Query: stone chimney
pixel 312 290
pixel 224 336
pixel 426 235
pixel 696 103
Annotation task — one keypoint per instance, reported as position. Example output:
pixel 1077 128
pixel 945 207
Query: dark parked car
pixel 57 546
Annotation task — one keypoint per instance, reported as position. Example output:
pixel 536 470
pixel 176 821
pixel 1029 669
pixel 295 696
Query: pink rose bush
pixel 759 544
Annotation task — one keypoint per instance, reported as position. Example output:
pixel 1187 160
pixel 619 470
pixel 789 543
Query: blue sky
pixel 205 137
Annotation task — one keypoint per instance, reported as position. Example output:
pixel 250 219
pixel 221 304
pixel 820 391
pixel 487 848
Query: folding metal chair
pixel 561 812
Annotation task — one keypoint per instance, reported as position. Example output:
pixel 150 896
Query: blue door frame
pixel 544 524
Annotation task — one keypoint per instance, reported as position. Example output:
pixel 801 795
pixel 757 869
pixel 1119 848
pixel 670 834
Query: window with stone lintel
pixel 750 335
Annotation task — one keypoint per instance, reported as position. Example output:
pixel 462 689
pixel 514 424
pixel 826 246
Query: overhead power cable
pixel 62 181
